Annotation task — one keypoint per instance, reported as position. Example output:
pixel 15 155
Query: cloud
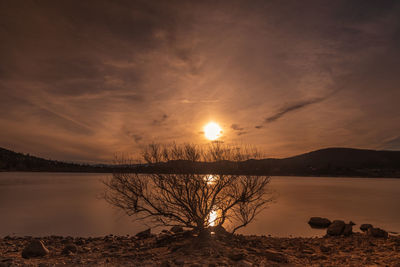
pixel 239 130
pixel 187 101
pixel 137 138
pixel 292 107
pixel 132 135
pixel 392 144
pixel 84 71
pixel 295 106
pixel 39 112
pixel 236 127
pixel 160 121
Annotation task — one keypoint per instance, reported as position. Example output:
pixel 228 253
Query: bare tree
pixel 185 197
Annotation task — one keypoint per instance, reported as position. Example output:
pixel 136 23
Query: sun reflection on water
pixel 212 218
pixel 210 179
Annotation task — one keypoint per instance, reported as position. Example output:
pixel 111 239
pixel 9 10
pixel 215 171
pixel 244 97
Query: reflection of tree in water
pixel 189 199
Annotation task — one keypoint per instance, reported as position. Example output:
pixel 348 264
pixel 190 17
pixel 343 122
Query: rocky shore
pixel 183 248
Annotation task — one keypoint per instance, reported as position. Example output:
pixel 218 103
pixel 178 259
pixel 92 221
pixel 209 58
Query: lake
pixel 40 204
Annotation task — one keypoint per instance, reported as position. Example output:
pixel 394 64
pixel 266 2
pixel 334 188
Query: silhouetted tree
pixel 187 198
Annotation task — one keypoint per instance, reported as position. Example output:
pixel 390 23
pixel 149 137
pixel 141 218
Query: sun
pixel 212 131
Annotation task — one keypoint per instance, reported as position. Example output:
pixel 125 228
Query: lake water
pixel 41 204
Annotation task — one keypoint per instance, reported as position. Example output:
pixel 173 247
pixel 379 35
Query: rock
pixel 176 229
pixel 244 263
pixel 325 249
pixel 179 262
pixel 86 249
pixel 144 234
pixel 352 223
pixel 318 222
pixel 164 240
pixel 219 230
pixel 69 249
pixel 377 232
pixel 308 251
pixel 275 256
pixel 187 234
pixel 204 236
pixel 365 227
pixel 237 256
pixel 7 262
pixel 176 247
pixel 348 230
pixel 35 248
pixel 165 264
pixel 336 228
pixel 80 242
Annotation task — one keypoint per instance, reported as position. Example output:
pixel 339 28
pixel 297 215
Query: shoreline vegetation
pixel 178 247
pixel 330 162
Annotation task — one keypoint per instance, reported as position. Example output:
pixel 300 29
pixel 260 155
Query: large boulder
pixel 377 232
pixel 35 248
pixel 318 222
pixel 336 228
pixel 348 229
pixel 364 227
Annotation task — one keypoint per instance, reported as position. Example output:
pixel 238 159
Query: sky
pixel 84 81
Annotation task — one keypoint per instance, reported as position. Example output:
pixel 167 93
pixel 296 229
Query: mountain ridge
pixel 333 161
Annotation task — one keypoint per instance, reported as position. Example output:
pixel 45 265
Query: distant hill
pixel 13 161
pixel 336 162
pixel 324 162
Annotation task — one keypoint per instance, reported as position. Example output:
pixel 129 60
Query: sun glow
pixel 213 216
pixel 210 179
pixel 212 131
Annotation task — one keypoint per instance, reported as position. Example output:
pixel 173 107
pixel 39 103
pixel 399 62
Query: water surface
pixel 40 204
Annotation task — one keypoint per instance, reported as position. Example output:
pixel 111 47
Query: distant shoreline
pixel 329 162
pixel 298 176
